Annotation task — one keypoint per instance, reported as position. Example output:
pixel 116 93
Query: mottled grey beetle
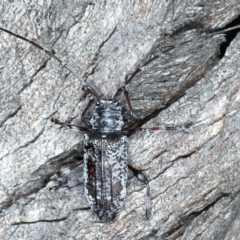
pixel 105 145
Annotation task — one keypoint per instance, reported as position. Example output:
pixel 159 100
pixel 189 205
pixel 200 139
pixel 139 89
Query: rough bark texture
pixel 194 176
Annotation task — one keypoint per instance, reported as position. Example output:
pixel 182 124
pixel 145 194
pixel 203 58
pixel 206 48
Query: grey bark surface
pixel 194 176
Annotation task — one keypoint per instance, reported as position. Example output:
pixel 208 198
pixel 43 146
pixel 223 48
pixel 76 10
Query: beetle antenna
pixel 87 87
pixel 225 30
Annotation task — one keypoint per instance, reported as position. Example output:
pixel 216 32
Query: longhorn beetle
pixel 105 144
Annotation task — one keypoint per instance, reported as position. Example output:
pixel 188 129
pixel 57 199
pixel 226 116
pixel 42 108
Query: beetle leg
pixel 63 173
pixel 161 128
pixel 76 128
pixel 83 116
pixel 124 88
pixel 140 176
pixel 70 167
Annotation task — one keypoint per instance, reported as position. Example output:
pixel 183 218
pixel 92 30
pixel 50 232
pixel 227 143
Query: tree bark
pixel 193 174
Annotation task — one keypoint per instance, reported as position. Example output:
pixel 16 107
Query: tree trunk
pixel 193 174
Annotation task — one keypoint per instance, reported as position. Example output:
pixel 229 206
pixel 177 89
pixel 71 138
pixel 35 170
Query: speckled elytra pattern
pixel 105 175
